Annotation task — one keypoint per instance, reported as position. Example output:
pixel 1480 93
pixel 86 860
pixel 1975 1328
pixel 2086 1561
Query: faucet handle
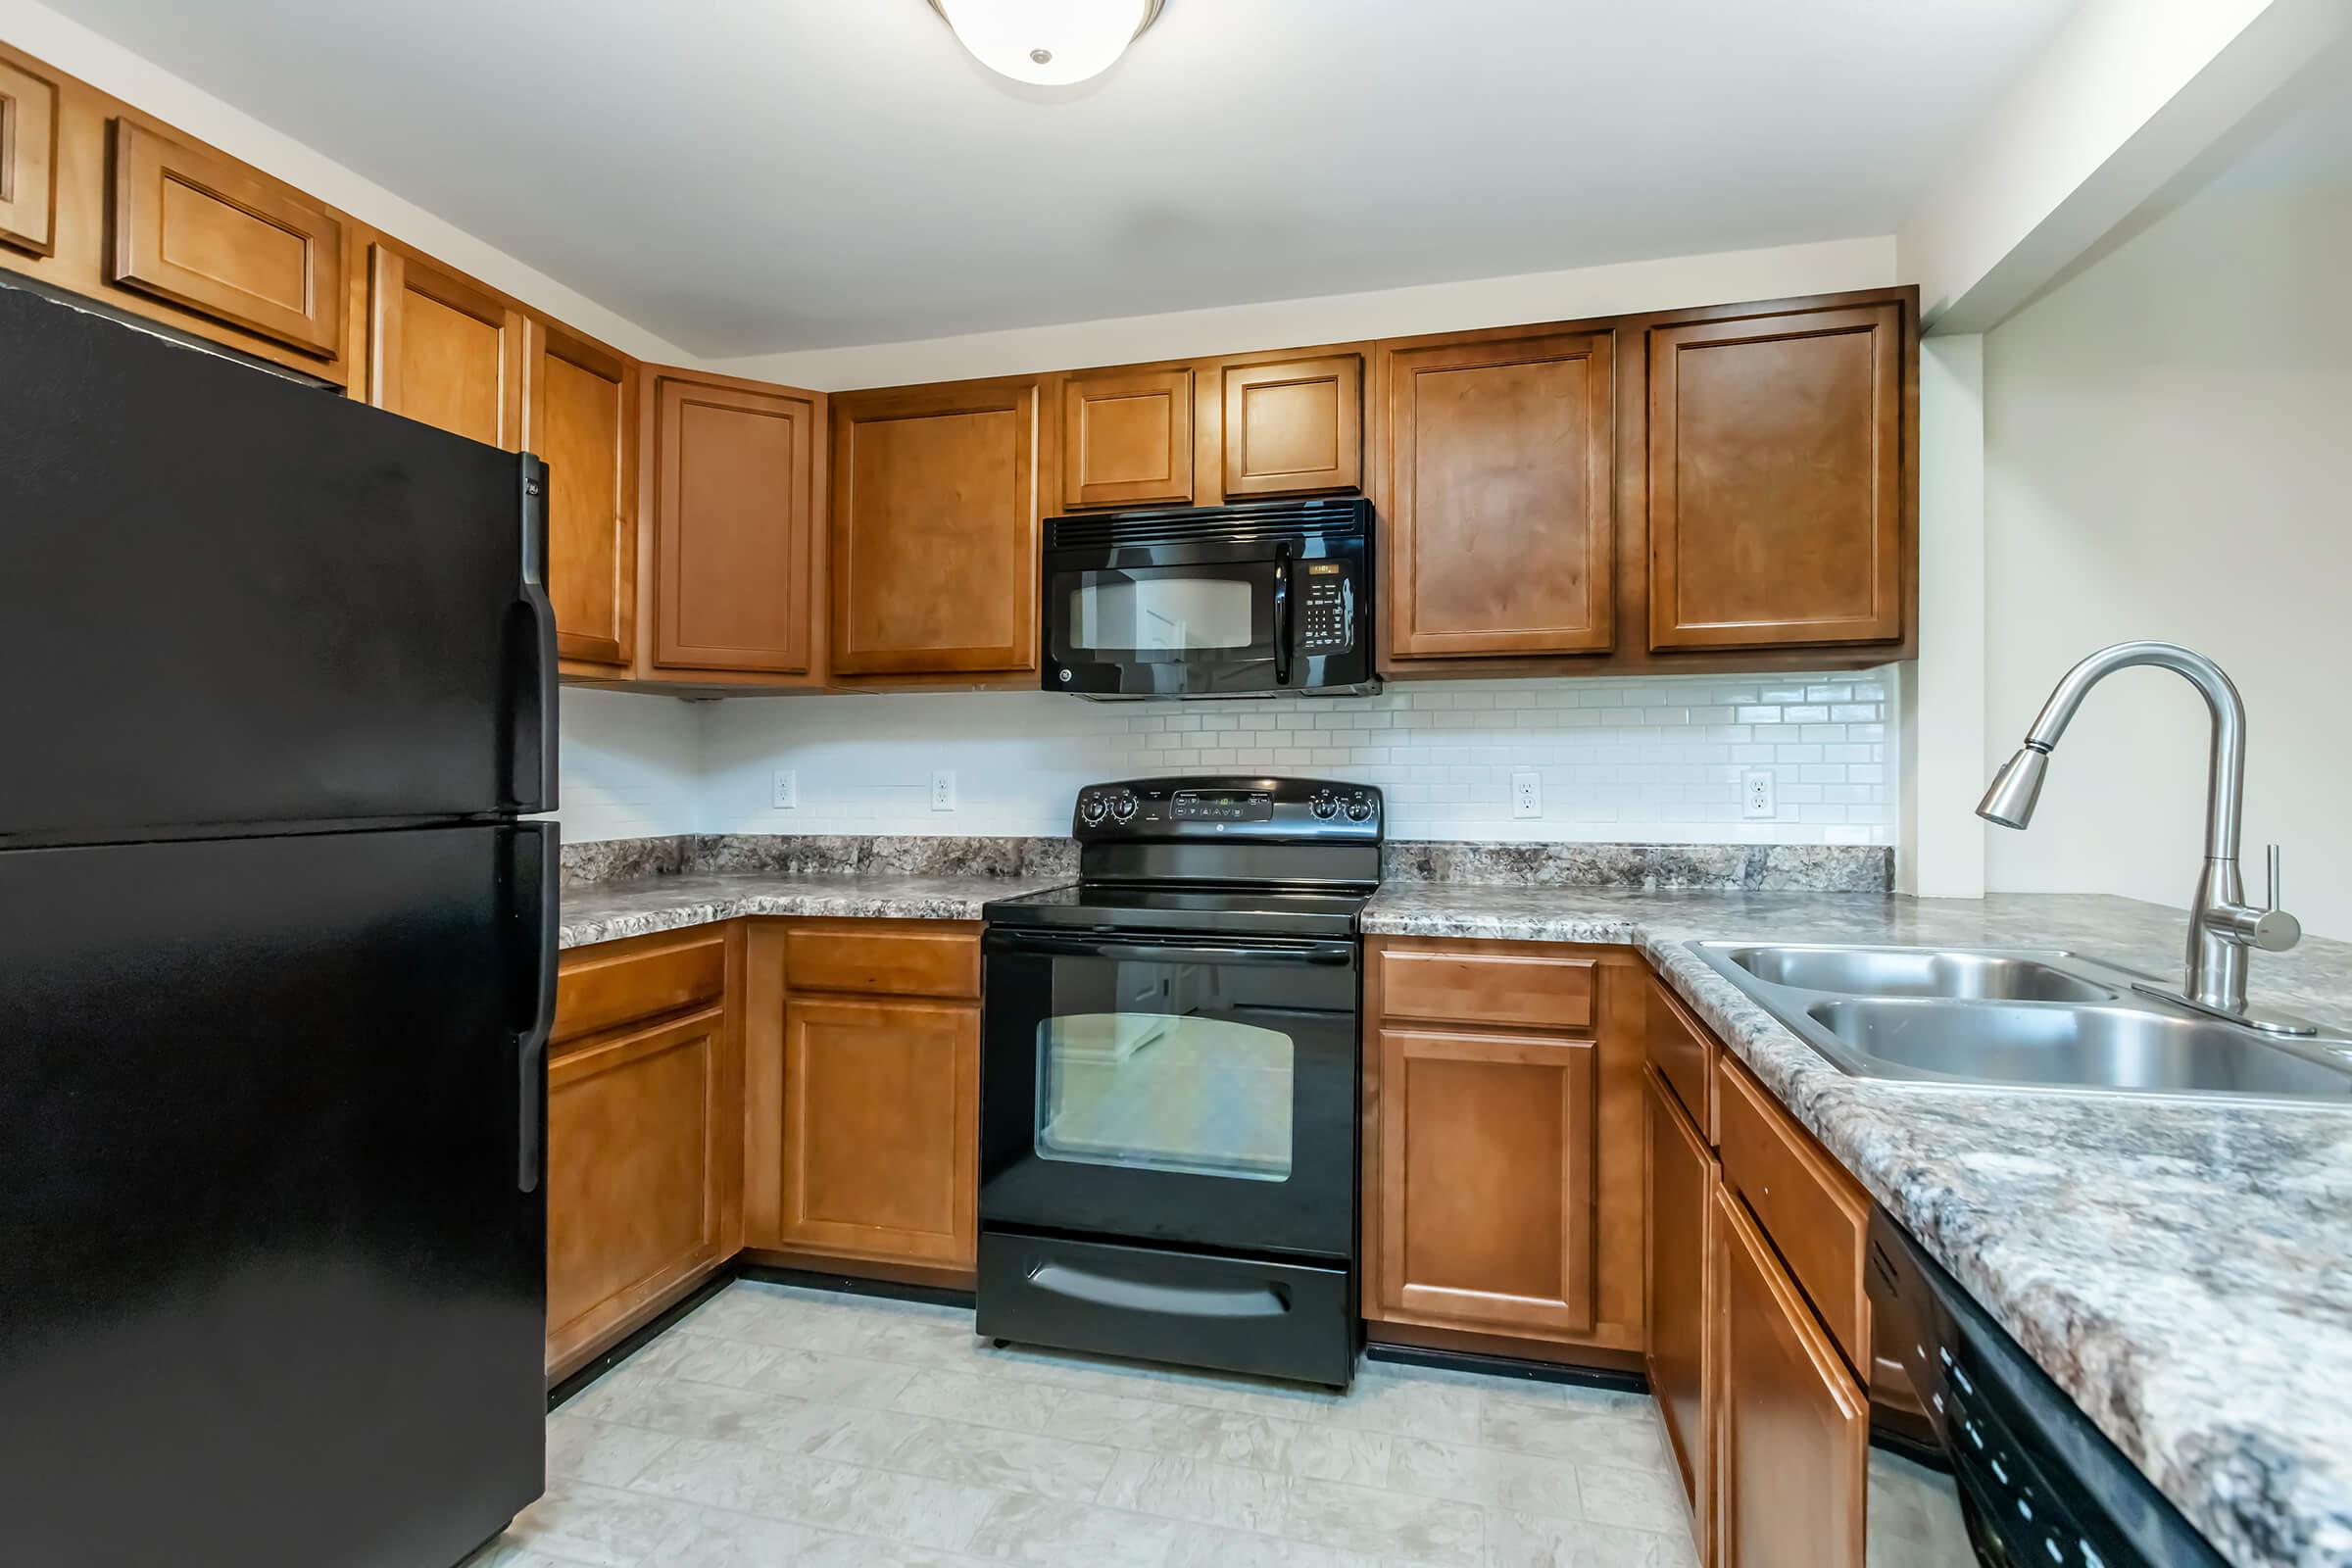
pixel 2273 930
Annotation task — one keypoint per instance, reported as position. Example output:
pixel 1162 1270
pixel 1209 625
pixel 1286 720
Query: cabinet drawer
pixel 620 982
pixel 1816 1214
pixel 1514 985
pixel 873 959
pixel 1684 1053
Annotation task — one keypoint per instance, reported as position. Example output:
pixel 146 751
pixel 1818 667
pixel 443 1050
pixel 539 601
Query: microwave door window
pixel 1174 613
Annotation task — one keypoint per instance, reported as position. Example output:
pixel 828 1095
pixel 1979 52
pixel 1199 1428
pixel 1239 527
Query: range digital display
pixel 1222 805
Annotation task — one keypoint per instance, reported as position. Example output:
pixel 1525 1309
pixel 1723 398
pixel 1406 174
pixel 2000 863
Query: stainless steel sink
pixel 2022 1019
pixel 1913 972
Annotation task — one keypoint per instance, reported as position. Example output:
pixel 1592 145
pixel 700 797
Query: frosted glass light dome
pixel 1050 43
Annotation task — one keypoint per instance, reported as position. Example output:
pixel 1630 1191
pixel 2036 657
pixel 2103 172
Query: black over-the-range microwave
pixel 1237 601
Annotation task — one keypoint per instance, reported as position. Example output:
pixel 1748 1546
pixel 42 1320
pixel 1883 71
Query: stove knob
pixel 1324 805
pixel 1091 810
pixel 1360 809
pixel 1123 809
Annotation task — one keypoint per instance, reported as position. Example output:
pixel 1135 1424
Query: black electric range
pixel 1169 1080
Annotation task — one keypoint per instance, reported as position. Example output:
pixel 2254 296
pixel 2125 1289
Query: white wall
pixel 631 765
pixel 1722 278
pixel 2165 446
pixel 1651 760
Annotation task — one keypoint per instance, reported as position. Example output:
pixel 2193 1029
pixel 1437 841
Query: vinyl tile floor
pixel 783 1426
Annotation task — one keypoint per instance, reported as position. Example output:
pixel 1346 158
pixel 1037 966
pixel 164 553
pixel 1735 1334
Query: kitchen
pixel 1186 867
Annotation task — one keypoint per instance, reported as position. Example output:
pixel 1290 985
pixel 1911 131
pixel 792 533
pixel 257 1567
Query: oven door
pixel 1192 1090
pixel 1186 630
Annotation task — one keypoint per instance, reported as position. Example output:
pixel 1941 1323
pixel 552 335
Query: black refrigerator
pixel 276 964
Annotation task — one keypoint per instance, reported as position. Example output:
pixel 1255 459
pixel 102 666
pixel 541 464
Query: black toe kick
pixel 1234 1314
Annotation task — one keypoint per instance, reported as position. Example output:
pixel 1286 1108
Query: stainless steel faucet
pixel 2221 925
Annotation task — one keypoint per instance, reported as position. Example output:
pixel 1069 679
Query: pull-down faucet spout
pixel 2222 926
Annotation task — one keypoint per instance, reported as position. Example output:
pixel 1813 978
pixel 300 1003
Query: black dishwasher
pixel 1991 1463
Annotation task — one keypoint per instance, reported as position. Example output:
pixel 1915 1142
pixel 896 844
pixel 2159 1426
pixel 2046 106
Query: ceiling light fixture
pixel 1048 43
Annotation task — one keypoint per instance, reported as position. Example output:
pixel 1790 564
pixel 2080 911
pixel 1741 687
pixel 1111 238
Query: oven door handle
pixel 1282 615
pixel 1145 949
pixel 1173 1301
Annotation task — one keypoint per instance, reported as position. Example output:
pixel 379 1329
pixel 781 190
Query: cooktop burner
pixel 1292 856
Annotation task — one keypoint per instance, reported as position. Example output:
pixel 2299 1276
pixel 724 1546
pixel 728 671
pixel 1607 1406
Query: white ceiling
pixel 748 176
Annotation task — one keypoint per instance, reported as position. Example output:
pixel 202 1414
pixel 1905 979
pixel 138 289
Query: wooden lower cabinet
pixel 1486 1169
pixel 643 1178
pixel 1502 1168
pixel 881 1130
pixel 862 1098
pixel 1678 1286
pixel 1791 1424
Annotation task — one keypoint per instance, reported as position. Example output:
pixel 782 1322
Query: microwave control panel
pixel 1326 607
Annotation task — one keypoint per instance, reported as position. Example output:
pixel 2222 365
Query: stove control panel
pixel 1271 810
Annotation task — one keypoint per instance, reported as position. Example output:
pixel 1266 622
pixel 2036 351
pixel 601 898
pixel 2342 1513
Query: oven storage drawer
pixel 1283 1320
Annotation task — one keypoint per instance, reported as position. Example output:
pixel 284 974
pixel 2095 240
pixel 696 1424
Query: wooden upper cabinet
pixel 580 416
pixel 1678 1290
pixel 1294 426
pixel 1500 496
pixel 443 350
pixel 1487 1186
pixel 216 236
pixel 1127 438
pixel 1791 1427
pixel 28 161
pixel 934 530
pixel 733 548
pixel 1777 479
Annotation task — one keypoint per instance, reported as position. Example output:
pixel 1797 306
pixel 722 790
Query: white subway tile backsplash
pixel 1658 757
pixel 1655 757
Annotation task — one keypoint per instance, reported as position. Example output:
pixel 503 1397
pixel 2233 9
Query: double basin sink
pixel 2019 1019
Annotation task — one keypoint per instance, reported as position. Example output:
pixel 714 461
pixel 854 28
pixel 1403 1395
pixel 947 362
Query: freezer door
pixel 233 598
pixel 271 1287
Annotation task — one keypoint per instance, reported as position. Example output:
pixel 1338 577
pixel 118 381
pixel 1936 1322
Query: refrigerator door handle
pixel 538 928
pixel 531 651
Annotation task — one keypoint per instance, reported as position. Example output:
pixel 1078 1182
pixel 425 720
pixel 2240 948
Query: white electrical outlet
pixel 1755 793
pixel 943 789
pixel 1527 795
pixel 787 791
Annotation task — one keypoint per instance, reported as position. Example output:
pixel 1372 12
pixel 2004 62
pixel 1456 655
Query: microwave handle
pixel 1282 613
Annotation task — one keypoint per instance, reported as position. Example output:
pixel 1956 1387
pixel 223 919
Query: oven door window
pixel 1163 614
pixel 1166 1091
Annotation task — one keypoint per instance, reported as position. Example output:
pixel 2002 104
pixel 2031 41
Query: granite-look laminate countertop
pixel 609 911
pixel 2183 1269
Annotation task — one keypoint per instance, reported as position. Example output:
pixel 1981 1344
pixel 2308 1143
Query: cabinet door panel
pixel 881 1128
pixel 734 504
pixel 580 416
pixel 1294 426
pixel 935 516
pixel 1127 438
pixel 28 161
pixel 1678 1288
pixel 1487 1179
pixel 1792 1431
pixel 443 351
pixel 634 1177
pixel 197 229
pixel 1776 473
pixel 1501 496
